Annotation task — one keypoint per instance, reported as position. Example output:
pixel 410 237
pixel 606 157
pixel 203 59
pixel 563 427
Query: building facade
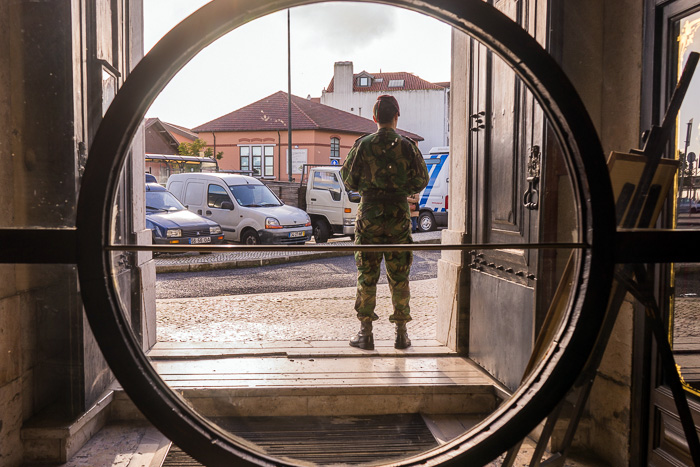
pixel 424 105
pixel 255 138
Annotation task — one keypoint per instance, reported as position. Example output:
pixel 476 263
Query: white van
pixel 246 209
pixel 434 198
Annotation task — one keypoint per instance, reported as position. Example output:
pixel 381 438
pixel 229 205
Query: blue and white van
pixel 434 198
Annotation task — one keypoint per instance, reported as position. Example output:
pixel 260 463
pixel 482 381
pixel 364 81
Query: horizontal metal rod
pixel 349 248
pixel 657 246
pixel 38 246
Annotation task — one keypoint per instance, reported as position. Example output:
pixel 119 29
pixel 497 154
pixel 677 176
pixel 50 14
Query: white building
pixel 424 105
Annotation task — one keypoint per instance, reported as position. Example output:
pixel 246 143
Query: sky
pixel 250 63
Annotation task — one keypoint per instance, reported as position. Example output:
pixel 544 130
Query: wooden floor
pixel 312 364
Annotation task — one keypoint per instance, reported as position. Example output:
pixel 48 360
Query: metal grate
pixel 327 440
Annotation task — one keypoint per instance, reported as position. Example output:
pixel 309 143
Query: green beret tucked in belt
pixel 384 168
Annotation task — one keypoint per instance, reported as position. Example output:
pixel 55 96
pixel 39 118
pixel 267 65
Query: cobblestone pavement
pixel 326 314
pixel 317 315
pixel 686 322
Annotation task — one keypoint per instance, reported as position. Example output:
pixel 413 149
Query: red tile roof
pixel 270 114
pixel 181 130
pixel 380 82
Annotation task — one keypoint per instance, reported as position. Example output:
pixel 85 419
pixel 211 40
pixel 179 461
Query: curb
pixel 254 263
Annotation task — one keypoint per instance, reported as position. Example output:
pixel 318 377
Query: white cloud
pixel 344 28
pixel 251 62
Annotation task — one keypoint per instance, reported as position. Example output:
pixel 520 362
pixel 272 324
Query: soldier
pixel 385 168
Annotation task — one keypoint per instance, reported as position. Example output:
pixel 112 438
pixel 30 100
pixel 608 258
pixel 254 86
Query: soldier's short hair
pixel 386 108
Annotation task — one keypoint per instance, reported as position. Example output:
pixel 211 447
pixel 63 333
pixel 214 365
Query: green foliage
pixel 196 148
pixel 209 152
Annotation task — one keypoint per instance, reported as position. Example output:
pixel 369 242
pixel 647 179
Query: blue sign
pixel 334 161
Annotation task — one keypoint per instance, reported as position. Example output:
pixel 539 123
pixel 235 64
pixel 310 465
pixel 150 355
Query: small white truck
pixel 330 206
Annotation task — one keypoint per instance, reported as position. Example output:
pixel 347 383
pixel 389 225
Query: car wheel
pixel 250 237
pixel 321 231
pixel 426 222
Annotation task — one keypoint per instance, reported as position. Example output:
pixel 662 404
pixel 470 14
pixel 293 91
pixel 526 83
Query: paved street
pixel 326 314
pixel 295 301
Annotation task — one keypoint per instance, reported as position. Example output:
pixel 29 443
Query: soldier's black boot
pixel 402 340
pixel 364 339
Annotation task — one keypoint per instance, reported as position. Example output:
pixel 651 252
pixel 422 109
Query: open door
pixel 506 132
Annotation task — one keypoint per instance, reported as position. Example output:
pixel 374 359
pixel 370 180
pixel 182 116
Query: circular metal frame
pixel 547 383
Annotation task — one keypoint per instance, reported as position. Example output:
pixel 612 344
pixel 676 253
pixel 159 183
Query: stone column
pixel 453 272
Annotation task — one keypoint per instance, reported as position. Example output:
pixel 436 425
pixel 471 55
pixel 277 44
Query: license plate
pixel 200 240
pixel 297 234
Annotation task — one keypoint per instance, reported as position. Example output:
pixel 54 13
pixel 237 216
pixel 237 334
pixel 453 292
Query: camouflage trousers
pixel 387 224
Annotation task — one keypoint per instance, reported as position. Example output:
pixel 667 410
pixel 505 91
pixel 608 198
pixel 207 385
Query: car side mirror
pixel 354 196
pixel 227 205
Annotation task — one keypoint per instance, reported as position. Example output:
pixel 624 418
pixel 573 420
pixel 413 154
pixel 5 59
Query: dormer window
pixel 396 83
pixel 363 81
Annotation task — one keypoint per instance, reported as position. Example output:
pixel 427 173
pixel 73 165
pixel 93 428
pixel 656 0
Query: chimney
pixel 342 85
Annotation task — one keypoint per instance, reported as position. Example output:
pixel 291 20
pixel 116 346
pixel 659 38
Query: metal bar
pixel 656 246
pixel 547 430
pixel 289 96
pixel 38 246
pixel 348 248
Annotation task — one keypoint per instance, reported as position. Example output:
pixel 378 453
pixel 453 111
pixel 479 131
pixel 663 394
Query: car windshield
pixel 162 201
pixel 254 196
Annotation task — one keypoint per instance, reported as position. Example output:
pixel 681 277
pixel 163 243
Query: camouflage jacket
pixel 385 163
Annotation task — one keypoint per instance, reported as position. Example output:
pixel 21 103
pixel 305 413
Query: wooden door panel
pixel 503 179
pixel 503 343
pixel 502 290
pixel 504 186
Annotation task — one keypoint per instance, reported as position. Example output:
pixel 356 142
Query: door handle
pixel 531 197
pixel 199 211
pixel 208 213
pixel 313 199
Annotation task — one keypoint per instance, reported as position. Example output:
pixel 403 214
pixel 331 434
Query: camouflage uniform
pixel 385 168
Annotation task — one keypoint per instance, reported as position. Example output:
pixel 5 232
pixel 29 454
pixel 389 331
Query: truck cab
pixel 330 206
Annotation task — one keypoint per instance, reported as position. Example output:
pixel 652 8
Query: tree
pixel 196 149
pixel 209 152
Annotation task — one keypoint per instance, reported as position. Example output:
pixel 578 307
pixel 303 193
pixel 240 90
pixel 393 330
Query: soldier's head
pixel 386 110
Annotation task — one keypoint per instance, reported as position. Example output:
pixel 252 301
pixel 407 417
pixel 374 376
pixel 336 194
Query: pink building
pixel 255 137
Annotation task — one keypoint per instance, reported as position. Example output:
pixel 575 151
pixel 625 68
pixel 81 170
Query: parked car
pixel 172 224
pixel 245 208
pixel 687 205
pixel 150 178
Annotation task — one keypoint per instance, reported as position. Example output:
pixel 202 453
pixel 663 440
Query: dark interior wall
pixel 42 116
pixel 38 188
pixel 601 51
pixel 49 366
pixel 42 314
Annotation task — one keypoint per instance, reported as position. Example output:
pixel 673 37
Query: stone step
pixel 319 378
